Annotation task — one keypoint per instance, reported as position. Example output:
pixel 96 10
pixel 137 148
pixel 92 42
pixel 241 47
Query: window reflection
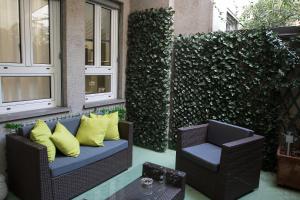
pixel 40 31
pixel 105 37
pixel 97 84
pixel 89 34
pixel 10 43
pixel 25 88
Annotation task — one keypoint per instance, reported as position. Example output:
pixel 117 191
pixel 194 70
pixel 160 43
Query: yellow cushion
pixel 65 141
pixel 41 134
pixel 91 131
pixel 112 132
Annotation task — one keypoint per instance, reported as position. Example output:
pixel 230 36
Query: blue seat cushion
pixel 206 155
pixel 63 164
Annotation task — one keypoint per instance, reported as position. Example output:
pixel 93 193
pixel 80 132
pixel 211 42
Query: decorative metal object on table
pixel 156 183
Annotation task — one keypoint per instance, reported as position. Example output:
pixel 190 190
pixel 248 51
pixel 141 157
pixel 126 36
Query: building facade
pixel 61 57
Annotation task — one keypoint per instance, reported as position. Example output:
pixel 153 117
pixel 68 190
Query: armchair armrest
pixel 27 160
pixel 126 133
pixel 190 136
pixel 242 142
pixel 243 152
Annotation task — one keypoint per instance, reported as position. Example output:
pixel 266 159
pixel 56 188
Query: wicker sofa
pixel 221 160
pixel 32 177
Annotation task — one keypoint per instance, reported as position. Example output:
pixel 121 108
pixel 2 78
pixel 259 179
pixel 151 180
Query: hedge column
pixel 150 37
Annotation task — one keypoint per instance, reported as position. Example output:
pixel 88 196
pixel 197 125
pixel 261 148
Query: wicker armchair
pixel 221 160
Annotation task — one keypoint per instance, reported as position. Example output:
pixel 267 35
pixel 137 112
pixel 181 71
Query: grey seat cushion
pixel 63 164
pixel 219 133
pixel 206 155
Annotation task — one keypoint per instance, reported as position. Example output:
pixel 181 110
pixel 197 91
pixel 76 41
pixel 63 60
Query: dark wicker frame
pixel 173 177
pixel 239 169
pixel 29 174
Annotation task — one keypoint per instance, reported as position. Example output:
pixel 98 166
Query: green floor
pixel 267 190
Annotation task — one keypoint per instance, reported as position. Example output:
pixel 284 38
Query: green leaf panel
pixel 150 40
pixel 233 77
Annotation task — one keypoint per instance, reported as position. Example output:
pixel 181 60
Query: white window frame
pixel 229 14
pixel 97 69
pixel 28 68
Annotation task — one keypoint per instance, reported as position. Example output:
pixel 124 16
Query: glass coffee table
pixel 168 184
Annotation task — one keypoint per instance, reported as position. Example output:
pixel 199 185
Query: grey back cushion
pixel 219 133
pixel 72 124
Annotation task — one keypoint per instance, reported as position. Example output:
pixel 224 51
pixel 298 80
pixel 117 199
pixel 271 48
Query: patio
pixel 267 190
pixel 122 100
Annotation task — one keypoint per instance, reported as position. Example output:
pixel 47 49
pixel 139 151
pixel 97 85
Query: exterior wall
pixel 73 66
pixel 73 63
pixel 147 4
pixel 193 16
pixel 124 12
pixel 235 7
pixel 220 13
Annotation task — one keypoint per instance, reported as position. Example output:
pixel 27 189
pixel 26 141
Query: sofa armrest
pixel 191 136
pixel 126 130
pixel 126 133
pixel 27 160
pixel 243 152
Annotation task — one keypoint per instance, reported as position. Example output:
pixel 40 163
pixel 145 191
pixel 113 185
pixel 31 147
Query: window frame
pixel 97 68
pixel 28 67
pixel 229 19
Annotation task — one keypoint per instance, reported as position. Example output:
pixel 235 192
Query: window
pixel 97 84
pixel 101 52
pixel 25 88
pixel 29 55
pixel 231 23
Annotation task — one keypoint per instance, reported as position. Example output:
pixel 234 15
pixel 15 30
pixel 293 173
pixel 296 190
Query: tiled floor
pixel 267 190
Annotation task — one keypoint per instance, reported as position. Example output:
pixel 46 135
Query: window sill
pixel 32 113
pixel 104 103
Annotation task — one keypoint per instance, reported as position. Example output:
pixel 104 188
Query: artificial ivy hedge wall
pixel 150 39
pixel 232 77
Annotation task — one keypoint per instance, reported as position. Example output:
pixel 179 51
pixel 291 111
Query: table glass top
pixel 108 188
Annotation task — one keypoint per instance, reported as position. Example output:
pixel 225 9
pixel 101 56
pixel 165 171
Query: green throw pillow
pixel 112 132
pixel 41 134
pixel 91 131
pixel 65 141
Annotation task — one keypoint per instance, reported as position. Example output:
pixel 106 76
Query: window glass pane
pixel 89 34
pixel 105 51
pixel 105 36
pixel 97 84
pixel 10 51
pixel 24 88
pixel 231 23
pixel 40 31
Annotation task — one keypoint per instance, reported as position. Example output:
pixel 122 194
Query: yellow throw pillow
pixel 41 134
pixel 65 141
pixel 112 132
pixel 91 131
